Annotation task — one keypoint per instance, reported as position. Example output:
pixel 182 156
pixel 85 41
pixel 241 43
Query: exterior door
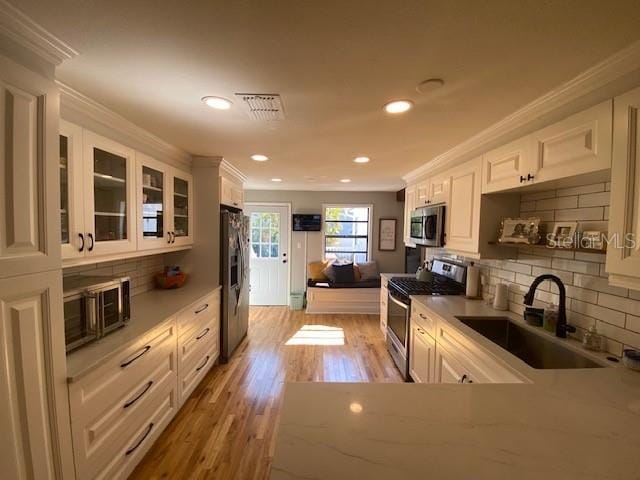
pixel 269 254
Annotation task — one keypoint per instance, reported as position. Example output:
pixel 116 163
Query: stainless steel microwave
pixel 427 225
pixel 94 306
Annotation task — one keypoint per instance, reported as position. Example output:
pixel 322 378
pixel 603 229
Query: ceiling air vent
pixel 262 106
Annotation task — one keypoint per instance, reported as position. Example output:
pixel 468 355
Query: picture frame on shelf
pixel 519 230
pixel 562 235
pixel 592 239
pixel 387 235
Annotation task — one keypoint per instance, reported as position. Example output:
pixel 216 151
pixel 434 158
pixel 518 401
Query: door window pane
pixel 265 235
pixel 180 207
pixel 64 188
pixel 110 195
pixel 152 203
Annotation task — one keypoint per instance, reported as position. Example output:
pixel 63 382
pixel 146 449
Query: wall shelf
pixel 545 247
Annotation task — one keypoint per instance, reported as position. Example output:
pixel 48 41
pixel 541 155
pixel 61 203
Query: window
pixel 265 235
pixel 347 232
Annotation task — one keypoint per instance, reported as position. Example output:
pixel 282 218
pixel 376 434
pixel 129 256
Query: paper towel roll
pixel 501 300
pixel 473 281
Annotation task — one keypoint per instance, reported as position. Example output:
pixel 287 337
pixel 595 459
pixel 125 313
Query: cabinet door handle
pixel 206 330
pixel 136 357
pixel 82 242
pixel 522 179
pixel 465 379
pixel 168 237
pixel 173 237
pixel 139 396
pixel 91 245
pixel 422 316
pixel 135 447
pixel 206 360
pixel 202 308
pixel 530 177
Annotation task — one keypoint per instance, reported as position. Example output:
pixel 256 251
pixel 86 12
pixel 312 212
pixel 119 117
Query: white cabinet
pixel 30 222
pixel 439 188
pixel 73 235
pixel 231 193
pixel 507 167
pixel 153 200
pixel 576 145
pixel 35 418
pixel 422 194
pixel 422 355
pixel 463 212
pixel 409 205
pixel 623 258
pixel 448 369
pixel 384 298
pixel 181 208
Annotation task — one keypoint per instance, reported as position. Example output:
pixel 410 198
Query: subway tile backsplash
pixel 590 299
pixel 141 271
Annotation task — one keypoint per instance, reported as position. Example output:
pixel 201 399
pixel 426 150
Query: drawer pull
pixel 422 316
pixel 139 396
pixel 206 330
pixel 202 308
pixel 135 447
pixel 129 362
pixel 206 360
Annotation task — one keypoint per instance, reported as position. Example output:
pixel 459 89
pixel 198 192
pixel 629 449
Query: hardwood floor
pixel 227 428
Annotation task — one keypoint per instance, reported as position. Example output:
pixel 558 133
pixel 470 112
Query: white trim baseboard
pixel 613 68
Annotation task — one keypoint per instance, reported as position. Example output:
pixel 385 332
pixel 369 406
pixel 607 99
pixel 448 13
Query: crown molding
pixel 310 187
pixel 96 111
pixel 228 170
pixel 613 68
pixel 27 33
pixel 206 162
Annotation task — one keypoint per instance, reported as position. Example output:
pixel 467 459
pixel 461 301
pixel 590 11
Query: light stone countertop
pixel 566 424
pixel 148 310
pixel 388 276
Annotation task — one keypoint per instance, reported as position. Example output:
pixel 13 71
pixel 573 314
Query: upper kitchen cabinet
pixel 463 212
pixel 231 193
pixel 30 222
pixel 576 145
pixel 431 191
pixel 153 194
pixel 73 235
pixel 109 172
pixel 623 254
pixel 409 205
pixel 507 167
pixel 422 194
pixel 181 208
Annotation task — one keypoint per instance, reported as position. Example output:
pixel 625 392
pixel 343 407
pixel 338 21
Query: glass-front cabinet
pixel 71 191
pixel 182 212
pixel 109 196
pixel 153 203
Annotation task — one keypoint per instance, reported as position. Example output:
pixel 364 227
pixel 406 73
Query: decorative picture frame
pixel 562 235
pixel 387 234
pixel 592 239
pixel 519 230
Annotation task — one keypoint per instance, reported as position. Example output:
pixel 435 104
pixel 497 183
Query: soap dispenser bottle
pixel 592 340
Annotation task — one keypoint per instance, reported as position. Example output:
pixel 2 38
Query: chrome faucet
pixel 562 327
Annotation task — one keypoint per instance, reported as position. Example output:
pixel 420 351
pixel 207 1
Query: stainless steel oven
pixel 427 225
pixel 94 307
pixel 398 310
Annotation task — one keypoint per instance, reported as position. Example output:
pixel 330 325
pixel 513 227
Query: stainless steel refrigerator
pixel 234 266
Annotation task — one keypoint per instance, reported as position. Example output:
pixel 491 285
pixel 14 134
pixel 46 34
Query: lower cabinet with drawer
pixel 120 408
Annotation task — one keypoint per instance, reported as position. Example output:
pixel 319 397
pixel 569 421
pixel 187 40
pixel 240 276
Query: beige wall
pixel 307 246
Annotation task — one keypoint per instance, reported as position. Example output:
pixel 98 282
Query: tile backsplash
pixel 590 299
pixel 141 271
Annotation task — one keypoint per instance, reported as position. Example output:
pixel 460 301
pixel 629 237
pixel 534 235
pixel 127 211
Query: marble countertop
pixel 148 310
pixel 387 276
pixel 565 424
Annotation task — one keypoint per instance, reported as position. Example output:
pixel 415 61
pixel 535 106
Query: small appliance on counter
pixel 631 359
pixel 171 277
pixel 94 306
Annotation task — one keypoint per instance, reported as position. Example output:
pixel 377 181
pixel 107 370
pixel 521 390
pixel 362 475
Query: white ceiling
pixel 335 63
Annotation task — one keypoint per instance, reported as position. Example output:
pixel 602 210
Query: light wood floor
pixel 227 428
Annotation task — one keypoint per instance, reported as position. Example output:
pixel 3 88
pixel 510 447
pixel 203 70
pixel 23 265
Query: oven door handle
pixel 393 299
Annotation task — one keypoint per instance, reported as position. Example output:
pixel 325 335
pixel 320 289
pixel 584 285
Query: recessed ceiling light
pixel 345 180
pixel 398 106
pixel 361 160
pixel 429 85
pixel 218 103
pixel 276 179
pixel 259 158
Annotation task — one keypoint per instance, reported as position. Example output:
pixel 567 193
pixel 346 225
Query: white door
pixel 269 254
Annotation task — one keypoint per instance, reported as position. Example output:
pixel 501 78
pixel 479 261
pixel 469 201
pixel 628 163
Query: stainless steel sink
pixel 534 349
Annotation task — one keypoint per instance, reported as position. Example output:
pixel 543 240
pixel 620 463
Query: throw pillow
pixel 315 271
pixel 356 273
pixel 368 271
pixel 343 273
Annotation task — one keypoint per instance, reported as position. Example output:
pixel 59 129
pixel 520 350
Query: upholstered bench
pixel 361 297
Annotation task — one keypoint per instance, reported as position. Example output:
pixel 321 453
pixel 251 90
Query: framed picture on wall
pixel 387 235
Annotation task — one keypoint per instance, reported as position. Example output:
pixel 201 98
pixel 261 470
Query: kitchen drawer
pixel 97 440
pixel 208 307
pixel 134 445
pixel 195 370
pixel 119 375
pixel 198 340
pixel 422 317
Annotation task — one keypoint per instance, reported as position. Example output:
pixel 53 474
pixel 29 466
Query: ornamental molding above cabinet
pixel 602 81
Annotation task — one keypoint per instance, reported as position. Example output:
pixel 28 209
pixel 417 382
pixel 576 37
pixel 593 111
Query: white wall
pixel 384 204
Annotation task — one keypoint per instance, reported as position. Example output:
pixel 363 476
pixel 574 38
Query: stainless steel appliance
pixel 94 306
pixel 448 279
pixel 234 260
pixel 427 225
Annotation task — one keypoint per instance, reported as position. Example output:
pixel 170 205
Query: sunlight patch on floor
pixel 317 335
